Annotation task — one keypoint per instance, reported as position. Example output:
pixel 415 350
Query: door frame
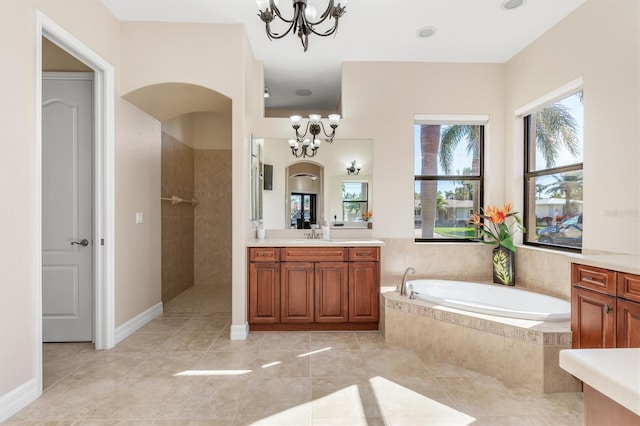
pixel 103 186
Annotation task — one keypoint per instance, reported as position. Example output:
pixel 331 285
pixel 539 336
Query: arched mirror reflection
pixel 304 189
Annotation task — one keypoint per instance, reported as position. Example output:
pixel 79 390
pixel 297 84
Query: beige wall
pixel 234 77
pixel 180 128
pixel 17 167
pixel 137 162
pixel 211 131
pixel 600 42
pixel 137 258
pixel 17 304
pixel 379 102
pixel 57 60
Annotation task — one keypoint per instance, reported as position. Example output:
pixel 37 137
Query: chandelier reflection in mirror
pixel 303 147
pixel 353 168
pixel 303 23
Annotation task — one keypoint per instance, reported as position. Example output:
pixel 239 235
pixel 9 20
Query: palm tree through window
pixel 448 179
pixel 553 174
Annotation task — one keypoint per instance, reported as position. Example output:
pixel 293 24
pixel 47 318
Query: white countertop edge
pixel 337 242
pixel 613 372
pixel 620 262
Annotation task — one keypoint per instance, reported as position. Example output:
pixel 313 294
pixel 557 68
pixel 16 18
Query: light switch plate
pixel 139 217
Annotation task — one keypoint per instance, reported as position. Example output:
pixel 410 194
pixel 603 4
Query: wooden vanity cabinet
pixel 264 286
pixel 314 292
pixel 628 324
pixel 593 319
pixel 320 288
pixel 331 292
pixel 605 308
pixel 296 301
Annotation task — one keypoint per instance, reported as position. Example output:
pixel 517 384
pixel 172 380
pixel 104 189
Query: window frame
pixel 528 174
pixel 364 202
pixel 444 120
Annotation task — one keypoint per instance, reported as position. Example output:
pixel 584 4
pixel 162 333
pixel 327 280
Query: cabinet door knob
pixel 607 309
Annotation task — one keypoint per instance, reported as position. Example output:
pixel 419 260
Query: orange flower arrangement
pixel 366 216
pixel 493 226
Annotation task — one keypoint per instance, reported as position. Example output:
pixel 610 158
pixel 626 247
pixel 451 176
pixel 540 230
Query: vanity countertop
pixel 613 372
pixel 619 262
pixel 304 242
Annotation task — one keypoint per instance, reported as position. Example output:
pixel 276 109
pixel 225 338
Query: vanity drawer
pixel 364 254
pixel 264 254
pixel 629 286
pixel 593 278
pixel 314 254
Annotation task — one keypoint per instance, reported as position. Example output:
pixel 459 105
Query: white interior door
pixel 67 246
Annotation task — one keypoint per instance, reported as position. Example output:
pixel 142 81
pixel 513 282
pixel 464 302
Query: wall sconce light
pixel 353 168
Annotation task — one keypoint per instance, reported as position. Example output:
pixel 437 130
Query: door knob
pixel 84 242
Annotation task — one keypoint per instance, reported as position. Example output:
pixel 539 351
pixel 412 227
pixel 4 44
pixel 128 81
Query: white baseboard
pixel 18 398
pixel 137 322
pixel 239 332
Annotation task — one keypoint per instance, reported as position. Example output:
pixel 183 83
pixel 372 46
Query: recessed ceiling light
pixel 303 92
pixel 512 4
pixel 425 32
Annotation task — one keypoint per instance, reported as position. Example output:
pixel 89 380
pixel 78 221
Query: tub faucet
pixel 403 286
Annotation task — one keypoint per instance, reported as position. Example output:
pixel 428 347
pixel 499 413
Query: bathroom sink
pixel 309 241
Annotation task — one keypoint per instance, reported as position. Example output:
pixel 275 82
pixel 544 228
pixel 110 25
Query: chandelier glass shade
pixel 303 146
pixel 304 20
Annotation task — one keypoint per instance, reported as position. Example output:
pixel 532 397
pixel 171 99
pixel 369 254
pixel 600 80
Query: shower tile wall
pixel 177 220
pixel 213 217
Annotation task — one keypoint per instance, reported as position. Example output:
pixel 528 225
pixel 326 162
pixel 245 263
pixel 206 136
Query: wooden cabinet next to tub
pixel 313 288
pixel 605 308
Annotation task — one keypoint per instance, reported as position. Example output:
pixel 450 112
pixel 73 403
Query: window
pixel 448 181
pixel 355 200
pixel 553 174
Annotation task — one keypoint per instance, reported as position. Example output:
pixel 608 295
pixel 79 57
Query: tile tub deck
pixel 517 352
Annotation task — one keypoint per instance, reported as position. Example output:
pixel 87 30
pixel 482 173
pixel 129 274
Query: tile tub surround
pixel 517 352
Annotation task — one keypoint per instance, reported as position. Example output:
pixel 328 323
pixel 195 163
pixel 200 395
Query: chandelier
pixel 302 146
pixel 303 21
pixel 353 168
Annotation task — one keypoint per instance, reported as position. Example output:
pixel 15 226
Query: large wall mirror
pixel 308 191
pixel 255 178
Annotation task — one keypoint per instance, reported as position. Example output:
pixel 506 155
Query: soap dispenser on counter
pixel 260 231
pixel 325 231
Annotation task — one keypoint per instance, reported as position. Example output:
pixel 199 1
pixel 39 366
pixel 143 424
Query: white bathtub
pixel 491 299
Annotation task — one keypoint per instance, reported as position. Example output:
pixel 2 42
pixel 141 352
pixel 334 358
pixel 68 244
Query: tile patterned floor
pixel 182 369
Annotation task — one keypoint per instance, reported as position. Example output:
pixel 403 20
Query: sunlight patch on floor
pixel 400 402
pixel 315 352
pixel 212 373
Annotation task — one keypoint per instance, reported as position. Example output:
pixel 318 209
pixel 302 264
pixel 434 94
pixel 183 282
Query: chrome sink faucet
pixel 313 235
pixel 403 287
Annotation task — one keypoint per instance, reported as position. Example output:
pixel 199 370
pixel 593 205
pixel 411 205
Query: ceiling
pixel 370 30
